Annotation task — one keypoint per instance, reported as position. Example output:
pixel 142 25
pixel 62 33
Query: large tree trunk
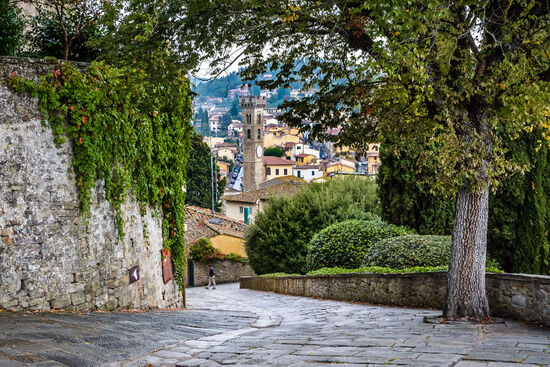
pixel 466 277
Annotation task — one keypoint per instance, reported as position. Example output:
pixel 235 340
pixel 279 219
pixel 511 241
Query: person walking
pixel 211 275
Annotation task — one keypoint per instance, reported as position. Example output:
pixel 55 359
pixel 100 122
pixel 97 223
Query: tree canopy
pixel 421 72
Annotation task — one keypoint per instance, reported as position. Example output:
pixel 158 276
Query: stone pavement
pixel 241 327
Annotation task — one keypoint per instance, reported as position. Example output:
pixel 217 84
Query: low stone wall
pixel 49 256
pixel 516 296
pixel 226 271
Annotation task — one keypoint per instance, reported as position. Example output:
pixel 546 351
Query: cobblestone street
pixel 241 327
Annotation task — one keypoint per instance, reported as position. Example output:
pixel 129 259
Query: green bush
pixel 11 28
pixel 278 240
pixel 345 244
pixel 375 269
pixel 409 251
pixel 202 250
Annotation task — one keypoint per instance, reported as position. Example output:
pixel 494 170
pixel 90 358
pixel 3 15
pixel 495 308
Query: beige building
pixel 226 234
pixel 255 201
pixel 277 167
pixel 226 153
pixel 275 140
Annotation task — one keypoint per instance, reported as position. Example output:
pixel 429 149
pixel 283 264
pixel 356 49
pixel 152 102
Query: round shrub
pixel 344 244
pixel 278 240
pixel 409 251
pixel 202 250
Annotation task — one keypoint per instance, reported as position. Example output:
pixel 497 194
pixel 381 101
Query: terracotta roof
pixel 202 223
pixel 304 155
pixel 286 188
pixel 289 144
pixel 276 161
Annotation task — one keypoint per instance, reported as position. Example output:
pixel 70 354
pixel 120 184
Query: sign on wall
pixel 166 265
pixel 134 274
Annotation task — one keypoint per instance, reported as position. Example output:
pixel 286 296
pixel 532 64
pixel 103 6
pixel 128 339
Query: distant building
pixel 226 153
pixel 256 200
pixel 304 159
pixel 308 172
pixel 225 233
pixel 277 167
pixel 304 149
pixel 238 92
pixel 224 167
pixel 373 163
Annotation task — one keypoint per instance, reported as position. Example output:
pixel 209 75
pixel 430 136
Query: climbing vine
pixel 129 128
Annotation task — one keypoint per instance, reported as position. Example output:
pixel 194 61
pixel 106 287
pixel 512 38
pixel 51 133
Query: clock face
pixel 259 151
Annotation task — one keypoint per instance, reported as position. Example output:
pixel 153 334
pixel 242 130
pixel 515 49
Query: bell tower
pixel 253 137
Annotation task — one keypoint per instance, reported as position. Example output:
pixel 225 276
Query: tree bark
pixel 466 298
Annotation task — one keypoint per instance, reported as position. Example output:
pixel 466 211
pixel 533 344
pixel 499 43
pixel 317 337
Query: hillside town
pixel 274 183
pixel 287 154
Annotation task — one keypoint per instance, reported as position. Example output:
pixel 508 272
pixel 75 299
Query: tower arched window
pixel 259 134
pixel 248 133
pixel 259 121
pixel 248 118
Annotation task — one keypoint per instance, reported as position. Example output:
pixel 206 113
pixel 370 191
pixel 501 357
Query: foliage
pixel 218 87
pixel 409 251
pixel 127 129
pixel 11 28
pixel 205 124
pixel 520 211
pixel 203 251
pixel 62 23
pixel 374 269
pixel 273 152
pixel 278 275
pixel 346 243
pixel 46 36
pixel 235 109
pixel 199 176
pixel 278 239
pixel 408 195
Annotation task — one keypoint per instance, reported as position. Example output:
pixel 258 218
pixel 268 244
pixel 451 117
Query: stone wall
pixel 226 271
pixel 48 257
pixel 516 296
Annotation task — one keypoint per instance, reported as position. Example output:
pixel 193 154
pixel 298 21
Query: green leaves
pixel 128 130
pixel 346 243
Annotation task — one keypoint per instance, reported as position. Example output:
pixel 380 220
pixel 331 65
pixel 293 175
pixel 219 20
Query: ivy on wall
pixel 129 128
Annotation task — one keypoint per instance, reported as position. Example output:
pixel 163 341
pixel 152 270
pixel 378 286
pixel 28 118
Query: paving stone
pixel 217 330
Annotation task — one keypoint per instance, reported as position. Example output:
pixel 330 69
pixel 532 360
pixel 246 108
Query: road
pixel 241 327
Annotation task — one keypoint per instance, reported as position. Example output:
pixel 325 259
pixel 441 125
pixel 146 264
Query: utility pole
pixel 212 172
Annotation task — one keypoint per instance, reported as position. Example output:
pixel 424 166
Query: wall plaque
pixel 134 274
pixel 166 265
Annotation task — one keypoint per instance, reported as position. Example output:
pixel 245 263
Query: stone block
pixel 7 241
pixel 63 301
pixel 519 300
pixel 78 298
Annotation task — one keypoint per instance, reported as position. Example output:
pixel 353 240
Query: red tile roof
pixel 287 188
pixel 276 161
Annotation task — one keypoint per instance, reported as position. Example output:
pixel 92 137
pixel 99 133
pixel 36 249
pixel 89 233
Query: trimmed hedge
pixel 409 251
pixel 345 244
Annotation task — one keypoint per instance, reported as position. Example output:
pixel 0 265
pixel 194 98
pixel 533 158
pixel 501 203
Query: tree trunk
pixel 466 277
